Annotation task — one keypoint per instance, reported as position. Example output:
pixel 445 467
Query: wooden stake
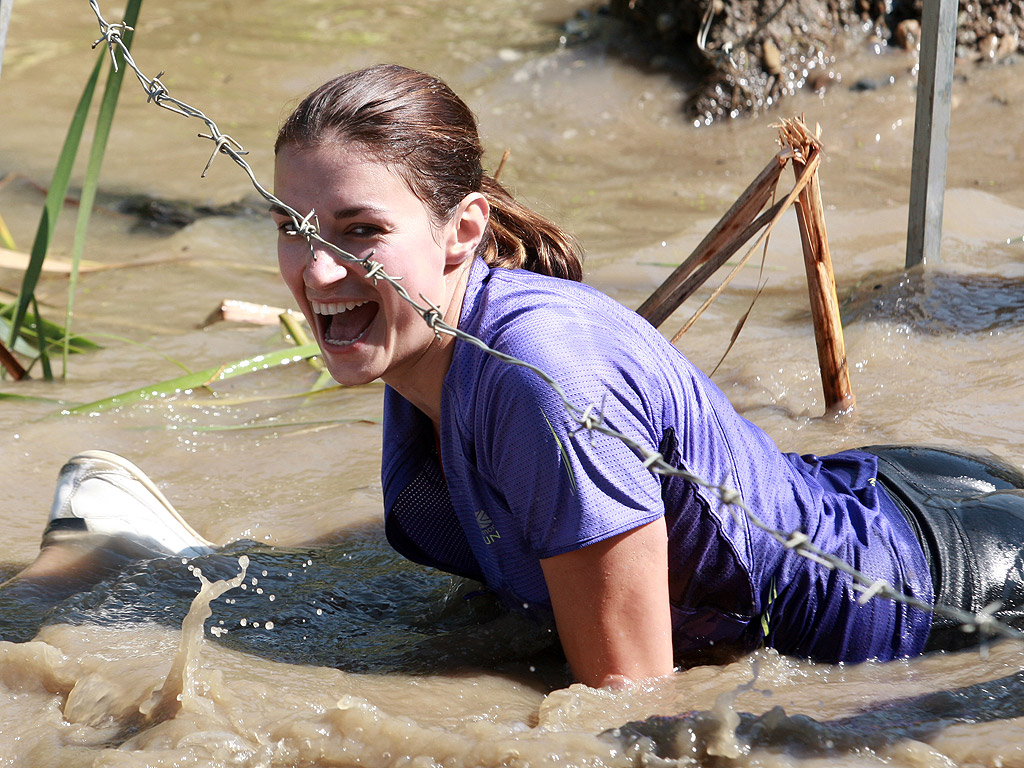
pixel 734 224
pixel 821 284
pixel 739 224
pixel 772 217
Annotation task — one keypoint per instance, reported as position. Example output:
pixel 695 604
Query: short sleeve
pixel 566 488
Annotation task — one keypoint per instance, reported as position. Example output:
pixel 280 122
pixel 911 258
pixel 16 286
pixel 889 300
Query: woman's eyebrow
pixel 341 213
pixel 357 210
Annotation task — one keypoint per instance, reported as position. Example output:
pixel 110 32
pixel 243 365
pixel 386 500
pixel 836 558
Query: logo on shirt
pixel 487 528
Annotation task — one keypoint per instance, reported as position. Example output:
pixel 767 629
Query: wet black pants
pixel 968 512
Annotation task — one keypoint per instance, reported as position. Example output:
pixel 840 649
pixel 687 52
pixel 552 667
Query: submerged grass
pixel 201 379
pixel 313 425
pixel 31 398
pixel 35 331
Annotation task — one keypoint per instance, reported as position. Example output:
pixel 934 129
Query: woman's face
pixel 365 330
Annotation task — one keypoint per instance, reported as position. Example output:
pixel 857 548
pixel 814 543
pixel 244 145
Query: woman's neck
pixel 425 391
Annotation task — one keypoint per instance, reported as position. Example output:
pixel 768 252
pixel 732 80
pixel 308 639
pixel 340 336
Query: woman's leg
pixel 969 510
pixel 106 513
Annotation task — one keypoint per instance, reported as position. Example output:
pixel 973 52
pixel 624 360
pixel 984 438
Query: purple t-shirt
pixel 520 483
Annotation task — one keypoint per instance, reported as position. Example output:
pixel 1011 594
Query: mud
pixel 746 57
pixel 396 671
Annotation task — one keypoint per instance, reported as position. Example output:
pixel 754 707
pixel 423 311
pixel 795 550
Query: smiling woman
pixel 365 330
pixel 394 157
pixel 485 477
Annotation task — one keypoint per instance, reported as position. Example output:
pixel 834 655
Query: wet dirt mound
pixel 746 55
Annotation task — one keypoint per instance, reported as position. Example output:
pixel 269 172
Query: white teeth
pixel 337 308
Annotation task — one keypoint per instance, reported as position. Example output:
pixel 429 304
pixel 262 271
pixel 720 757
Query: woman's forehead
pixel 345 179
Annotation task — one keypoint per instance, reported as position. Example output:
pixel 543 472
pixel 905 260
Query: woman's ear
pixel 467 228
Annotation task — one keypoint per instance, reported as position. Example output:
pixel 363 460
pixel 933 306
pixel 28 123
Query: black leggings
pixel 968 513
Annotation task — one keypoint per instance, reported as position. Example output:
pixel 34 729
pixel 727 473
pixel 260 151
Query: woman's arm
pixel 611 606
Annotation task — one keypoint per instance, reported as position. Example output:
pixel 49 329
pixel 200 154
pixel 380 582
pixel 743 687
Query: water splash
pixel 179 685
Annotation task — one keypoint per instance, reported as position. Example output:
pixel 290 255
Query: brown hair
pixel 416 123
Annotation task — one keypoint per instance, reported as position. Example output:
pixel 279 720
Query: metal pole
pixel 5 22
pixel 931 131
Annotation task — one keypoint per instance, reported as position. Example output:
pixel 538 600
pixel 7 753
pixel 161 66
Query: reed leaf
pixel 6 239
pixel 281 425
pixel 53 205
pixel 200 379
pixel 104 120
pixel 234 402
pixel 31 398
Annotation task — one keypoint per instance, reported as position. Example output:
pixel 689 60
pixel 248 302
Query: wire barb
pixel 113 35
pixel 223 144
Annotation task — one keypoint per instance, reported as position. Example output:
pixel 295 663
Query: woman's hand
pixel 611 606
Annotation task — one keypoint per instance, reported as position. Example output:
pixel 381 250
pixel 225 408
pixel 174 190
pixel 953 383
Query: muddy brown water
pixel 360 658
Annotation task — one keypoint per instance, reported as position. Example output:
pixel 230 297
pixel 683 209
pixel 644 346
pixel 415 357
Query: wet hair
pixel 417 125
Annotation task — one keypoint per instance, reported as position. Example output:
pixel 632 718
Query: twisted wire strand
pixel 589 419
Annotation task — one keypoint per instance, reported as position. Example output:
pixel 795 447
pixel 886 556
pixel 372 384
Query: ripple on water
pixel 939 302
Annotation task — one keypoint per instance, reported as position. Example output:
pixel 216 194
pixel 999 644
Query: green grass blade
pixel 200 379
pixel 54 202
pixel 6 240
pixel 28 342
pixel 30 398
pixel 104 120
pixel 234 402
pixel 561 450
pixel 44 352
pixel 324 382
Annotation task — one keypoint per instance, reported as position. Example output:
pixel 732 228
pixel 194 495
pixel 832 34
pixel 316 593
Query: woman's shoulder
pixel 597 350
pixel 517 311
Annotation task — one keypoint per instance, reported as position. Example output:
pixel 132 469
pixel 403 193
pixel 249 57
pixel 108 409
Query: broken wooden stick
pixel 10 362
pixel 821 283
pixel 740 223
pixel 768 220
pixel 726 233
pixel 235 311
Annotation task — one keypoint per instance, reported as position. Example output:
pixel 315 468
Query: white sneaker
pixel 99 492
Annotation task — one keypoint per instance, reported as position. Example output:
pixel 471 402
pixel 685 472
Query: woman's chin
pixel 347 374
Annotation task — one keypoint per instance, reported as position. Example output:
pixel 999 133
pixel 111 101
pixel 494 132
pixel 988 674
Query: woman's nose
pixel 324 265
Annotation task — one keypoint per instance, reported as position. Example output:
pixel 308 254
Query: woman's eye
pixel 363 230
pixel 287 227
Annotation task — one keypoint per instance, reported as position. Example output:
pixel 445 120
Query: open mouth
pixel 344 322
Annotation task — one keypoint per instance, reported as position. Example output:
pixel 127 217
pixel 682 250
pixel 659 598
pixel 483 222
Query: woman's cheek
pixel 291 265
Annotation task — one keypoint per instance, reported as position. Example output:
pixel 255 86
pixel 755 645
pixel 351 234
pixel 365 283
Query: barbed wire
pixel 588 419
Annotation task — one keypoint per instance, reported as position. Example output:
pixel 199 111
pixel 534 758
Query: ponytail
pixel 523 239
